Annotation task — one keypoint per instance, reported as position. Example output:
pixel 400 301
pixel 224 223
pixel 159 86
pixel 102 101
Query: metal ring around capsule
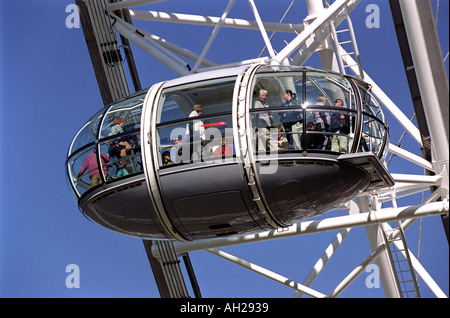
pixel 247 156
pixel 150 159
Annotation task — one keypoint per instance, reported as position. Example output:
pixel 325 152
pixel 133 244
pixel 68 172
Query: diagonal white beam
pixel 357 271
pixel 319 22
pixel 410 157
pixel 140 41
pixel 212 21
pixel 353 208
pixel 261 28
pixel 386 101
pixel 417 179
pixel 267 273
pixel 177 49
pixel 213 36
pixel 128 4
pixel 326 256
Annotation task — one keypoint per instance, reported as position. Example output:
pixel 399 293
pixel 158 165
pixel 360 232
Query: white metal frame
pixel 312 36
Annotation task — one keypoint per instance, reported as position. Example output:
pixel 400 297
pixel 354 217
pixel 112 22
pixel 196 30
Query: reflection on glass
pixel 88 133
pixel 373 133
pixel 123 116
pixel 370 104
pixel 324 89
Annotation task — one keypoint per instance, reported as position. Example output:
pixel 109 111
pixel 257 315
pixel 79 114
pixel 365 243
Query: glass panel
pixel 371 104
pixel 373 131
pixel 88 133
pixel 195 140
pixel 274 87
pixel 83 169
pixel 123 116
pixel 283 133
pixel 211 97
pixel 287 136
pixel 372 136
pixel 188 129
pixel 324 89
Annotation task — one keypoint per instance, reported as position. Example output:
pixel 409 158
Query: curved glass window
pixel 88 133
pixel 83 169
pixel 123 116
pixel 194 120
pixel 302 109
pixel 324 89
pixel 373 128
pixel 114 131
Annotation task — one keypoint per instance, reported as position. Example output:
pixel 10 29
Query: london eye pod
pixel 204 156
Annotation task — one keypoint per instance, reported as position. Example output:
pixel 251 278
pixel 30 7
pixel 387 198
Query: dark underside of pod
pixel 213 201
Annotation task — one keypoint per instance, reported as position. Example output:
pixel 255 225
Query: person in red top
pixel 224 149
pixel 90 164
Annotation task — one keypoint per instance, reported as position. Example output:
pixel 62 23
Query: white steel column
pixel 376 239
pixel 435 99
pixel 326 51
pixel 428 280
pixel 262 29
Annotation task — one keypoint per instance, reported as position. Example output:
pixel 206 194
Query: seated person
pixel 281 140
pixel 122 171
pixel 223 150
pixel 166 158
pixel 313 140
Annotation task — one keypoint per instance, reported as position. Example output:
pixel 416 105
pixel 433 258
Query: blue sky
pixel 48 91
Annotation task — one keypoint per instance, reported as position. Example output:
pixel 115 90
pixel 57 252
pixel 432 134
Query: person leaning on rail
pixel 339 126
